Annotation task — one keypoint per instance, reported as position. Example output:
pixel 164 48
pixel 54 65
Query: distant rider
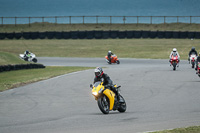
pixel 198 60
pixel 109 56
pixel 26 54
pixel 192 51
pixel 107 82
pixel 174 53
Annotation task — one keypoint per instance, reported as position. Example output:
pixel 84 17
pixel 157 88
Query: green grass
pixel 87 27
pixel 192 129
pixel 124 48
pixel 9 58
pixel 18 78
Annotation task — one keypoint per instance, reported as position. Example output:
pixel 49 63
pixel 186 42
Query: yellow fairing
pixel 111 96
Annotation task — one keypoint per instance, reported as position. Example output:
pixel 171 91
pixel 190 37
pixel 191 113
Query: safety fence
pixel 100 35
pixel 4 68
pixel 99 20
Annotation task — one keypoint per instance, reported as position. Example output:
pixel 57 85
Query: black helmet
pixel 27 51
pixel 98 71
pixel 193 49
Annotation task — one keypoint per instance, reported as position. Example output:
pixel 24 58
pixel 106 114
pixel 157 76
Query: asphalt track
pixel 157 98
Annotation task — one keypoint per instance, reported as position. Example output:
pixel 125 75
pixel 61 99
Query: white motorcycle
pixel 30 57
pixel 193 59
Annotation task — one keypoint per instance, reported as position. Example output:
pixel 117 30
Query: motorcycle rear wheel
pixel 103 103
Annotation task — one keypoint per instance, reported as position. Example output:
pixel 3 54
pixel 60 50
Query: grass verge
pixel 12 79
pixel 192 129
pixel 124 48
pixel 40 27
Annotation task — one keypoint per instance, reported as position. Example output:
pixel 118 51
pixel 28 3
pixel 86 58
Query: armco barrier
pixel 100 35
pixel 4 68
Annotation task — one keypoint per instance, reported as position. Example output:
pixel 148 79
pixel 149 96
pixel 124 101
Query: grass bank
pixel 192 129
pixel 124 48
pixel 40 27
pixel 12 79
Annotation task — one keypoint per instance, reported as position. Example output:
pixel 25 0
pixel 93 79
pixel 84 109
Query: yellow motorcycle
pixel 106 98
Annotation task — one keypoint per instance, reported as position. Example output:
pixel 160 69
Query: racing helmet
pixel 27 52
pixel 109 51
pixel 98 71
pixel 193 48
pixel 174 49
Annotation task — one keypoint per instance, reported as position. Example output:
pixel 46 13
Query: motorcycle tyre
pixel 101 107
pixel 34 60
pixel 118 62
pixel 192 64
pixel 122 106
pixel 174 66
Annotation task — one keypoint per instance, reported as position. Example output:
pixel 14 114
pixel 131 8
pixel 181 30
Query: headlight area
pixel 94 93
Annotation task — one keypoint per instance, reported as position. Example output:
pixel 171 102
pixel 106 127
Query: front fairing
pixel 97 89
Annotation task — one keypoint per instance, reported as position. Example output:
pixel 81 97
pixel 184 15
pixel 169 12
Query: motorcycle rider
pixel 198 60
pixel 192 51
pixel 107 82
pixel 174 52
pixel 26 53
pixel 109 55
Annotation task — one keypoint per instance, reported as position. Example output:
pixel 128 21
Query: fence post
pixel 97 20
pixel 2 21
pixel 151 19
pixel 164 19
pixel 124 19
pixel 110 19
pixel 177 20
pixel 69 19
pixel 137 19
pixel 15 21
pixel 55 20
pixel 42 21
pixel 29 21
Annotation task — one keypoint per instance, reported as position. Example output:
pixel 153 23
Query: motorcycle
pixel 114 59
pixel 174 61
pixel 30 57
pixel 198 69
pixel 193 58
pixel 106 98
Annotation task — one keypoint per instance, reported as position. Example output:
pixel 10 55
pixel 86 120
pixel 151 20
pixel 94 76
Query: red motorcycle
pixel 174 61
pixel 198 69
pixel 114 59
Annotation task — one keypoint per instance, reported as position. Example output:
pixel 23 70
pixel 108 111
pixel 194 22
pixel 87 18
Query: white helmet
pixel 174 50
pixel 109 51
pixel 98 71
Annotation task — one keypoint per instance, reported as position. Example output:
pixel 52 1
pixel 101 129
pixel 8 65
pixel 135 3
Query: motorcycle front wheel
pixel 103 103
pixel 122 105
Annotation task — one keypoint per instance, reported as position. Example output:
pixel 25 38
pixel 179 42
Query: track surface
pixel 157 98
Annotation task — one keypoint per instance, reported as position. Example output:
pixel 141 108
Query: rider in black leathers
pixel 192 51
pixel 109 56
pixel 198 60
pixel 107 82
